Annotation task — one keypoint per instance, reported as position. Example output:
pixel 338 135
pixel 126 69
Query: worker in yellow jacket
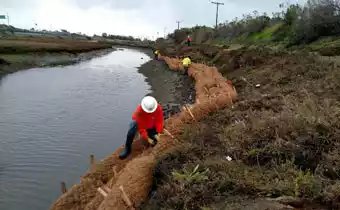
pixel 156 54
pixel 186 62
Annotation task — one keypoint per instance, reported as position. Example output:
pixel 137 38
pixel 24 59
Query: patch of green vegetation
pixel 329 46
pixel 266 34
pixel 254 152
pixel 189 176
pixel 307 185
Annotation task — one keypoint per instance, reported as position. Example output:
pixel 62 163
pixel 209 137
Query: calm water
pixel 52 119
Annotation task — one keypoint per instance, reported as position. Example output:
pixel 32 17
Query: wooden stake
pixel 187 108
pixel 125 197
pixel 91 159
pixel 106 188
pixel 168 133
pixel 114 172
pixel 63 188
pixel 231 100
pixel 206 89
pixel 102 191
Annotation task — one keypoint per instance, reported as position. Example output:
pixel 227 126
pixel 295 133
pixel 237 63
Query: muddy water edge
pixel 167 86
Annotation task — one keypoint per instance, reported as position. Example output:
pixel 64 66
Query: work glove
pixel 151 141
pixel 157 137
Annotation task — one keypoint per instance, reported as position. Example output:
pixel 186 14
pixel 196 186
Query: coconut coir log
pixel 138 178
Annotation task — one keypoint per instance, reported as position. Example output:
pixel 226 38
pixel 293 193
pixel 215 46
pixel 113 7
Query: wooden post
pixel 92 160
pixel 63 187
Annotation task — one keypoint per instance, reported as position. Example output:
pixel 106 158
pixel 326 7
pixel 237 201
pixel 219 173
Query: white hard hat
pixel 149 104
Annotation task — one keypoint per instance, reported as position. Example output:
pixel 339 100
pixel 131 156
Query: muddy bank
pixel 10 63
pixel 168 86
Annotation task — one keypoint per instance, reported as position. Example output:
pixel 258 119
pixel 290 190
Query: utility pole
pixel 7 18
pixel 164 33
pixel 178 22
pixel 217 5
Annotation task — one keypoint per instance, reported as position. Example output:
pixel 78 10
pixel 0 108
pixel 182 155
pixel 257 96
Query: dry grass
pixel 283 138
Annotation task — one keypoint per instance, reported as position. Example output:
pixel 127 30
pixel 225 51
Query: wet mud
pixel 168 86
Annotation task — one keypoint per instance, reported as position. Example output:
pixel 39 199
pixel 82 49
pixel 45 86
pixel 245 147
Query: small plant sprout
pixel 190 176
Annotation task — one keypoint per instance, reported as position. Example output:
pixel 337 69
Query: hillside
pixel 312 27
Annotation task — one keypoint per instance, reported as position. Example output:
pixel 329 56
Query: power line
pixel 178 22
pixel 217 5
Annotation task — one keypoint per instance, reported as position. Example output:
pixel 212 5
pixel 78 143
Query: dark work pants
pixel 186 70
pixel 133 129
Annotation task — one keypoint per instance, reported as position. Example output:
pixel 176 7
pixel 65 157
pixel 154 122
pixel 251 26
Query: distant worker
pixel 188 41
pixel 148 121
pixel 156 54
pixel 186 62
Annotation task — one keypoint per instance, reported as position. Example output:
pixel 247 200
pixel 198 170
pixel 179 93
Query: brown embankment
pixel 48 44
pixel 213 92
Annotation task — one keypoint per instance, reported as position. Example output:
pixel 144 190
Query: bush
pixel 316 19
pixel 251 23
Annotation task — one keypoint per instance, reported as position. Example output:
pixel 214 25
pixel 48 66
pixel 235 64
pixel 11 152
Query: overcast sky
pixel 126 17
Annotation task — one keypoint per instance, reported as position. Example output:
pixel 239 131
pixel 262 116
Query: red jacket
pixel 148 120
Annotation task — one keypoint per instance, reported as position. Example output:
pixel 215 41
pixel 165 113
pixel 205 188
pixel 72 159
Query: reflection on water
pixel 52 119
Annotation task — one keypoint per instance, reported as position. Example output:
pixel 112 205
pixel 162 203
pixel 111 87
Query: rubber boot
pixel 126 152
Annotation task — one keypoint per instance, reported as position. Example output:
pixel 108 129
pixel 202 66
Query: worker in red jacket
pixel 188 40
pixel 148 121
